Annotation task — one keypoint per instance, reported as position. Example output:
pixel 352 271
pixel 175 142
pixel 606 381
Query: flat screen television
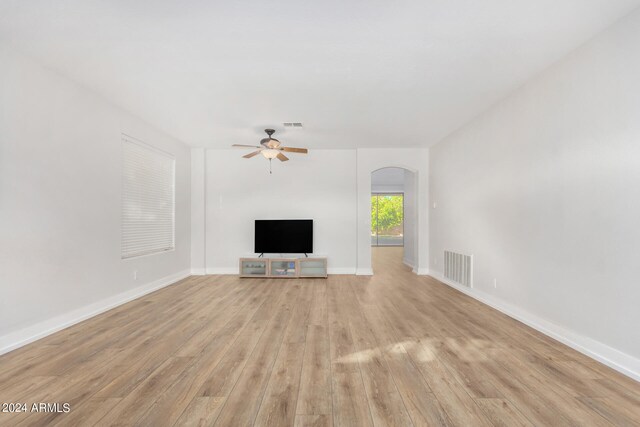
pixel 284 236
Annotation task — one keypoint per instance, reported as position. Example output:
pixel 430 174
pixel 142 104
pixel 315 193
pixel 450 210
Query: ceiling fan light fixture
pixel 270 153
pixel 271 149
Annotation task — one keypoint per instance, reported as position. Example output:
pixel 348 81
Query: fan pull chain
pixel 270 166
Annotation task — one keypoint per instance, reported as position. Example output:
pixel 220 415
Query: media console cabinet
pixel 283 268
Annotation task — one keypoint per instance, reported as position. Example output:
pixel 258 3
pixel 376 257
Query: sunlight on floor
pixel 365 356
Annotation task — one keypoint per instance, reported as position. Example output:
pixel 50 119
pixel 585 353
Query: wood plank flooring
pixel 393 349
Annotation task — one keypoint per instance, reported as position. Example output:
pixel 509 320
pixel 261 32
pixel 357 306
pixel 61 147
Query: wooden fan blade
pixel 294 150
pixel 242 145
pixel 282 157
pixel 250 155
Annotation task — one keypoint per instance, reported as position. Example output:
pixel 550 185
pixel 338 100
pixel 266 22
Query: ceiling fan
pixel 271 149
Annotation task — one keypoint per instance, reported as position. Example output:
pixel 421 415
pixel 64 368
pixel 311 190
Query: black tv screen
pixel 284 236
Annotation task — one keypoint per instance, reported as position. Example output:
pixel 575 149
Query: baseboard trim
pixel 615 359
pixel 422 271
pixel 364 272
pixel 223 271
pixel 408 263
pixel 342 270
pixel 44 328
pixel 198 271
pixel 234 271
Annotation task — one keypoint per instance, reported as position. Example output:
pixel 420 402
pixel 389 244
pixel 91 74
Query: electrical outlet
pixel 435 205
pixel 135 274
pixel 495 282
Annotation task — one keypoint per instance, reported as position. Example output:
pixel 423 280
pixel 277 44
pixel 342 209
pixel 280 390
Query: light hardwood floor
pixel 394 349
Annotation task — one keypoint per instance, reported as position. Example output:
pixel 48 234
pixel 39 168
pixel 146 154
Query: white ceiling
pixel 357 73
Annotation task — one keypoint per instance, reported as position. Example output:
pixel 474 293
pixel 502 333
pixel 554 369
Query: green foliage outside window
pixel 389 215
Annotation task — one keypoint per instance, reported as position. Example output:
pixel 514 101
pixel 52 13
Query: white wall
pixel 320 186
pixel 382 188
pixel 387 180
pixel 415 160
pixel 198 212
pixel 544 190
pixel 410 218
pixel 331 186
pixel 60 190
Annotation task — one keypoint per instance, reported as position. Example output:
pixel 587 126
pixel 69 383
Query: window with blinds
pixel 148 199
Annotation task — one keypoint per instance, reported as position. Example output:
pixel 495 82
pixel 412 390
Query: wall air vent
pixel 458 268
pixel 292 124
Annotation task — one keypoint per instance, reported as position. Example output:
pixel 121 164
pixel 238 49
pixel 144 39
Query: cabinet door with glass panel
pixel 255 267
pixel 312 267
pixel 282 267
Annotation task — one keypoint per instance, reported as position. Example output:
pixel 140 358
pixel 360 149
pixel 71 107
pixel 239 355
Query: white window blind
pixel 148 199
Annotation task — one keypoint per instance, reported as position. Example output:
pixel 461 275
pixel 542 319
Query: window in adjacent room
pixel 387 219
pixel 148 199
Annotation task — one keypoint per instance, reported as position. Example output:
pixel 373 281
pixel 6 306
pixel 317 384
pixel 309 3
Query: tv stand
pixel 283 268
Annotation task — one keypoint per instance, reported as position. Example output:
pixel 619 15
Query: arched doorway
pixel 415 160
pixel 393 217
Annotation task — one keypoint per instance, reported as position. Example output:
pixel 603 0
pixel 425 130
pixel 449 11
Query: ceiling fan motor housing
pixel 270 142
